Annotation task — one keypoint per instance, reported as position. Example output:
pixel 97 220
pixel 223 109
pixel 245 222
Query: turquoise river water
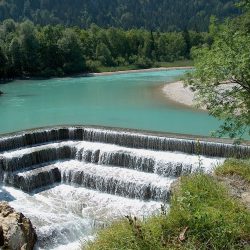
pixel 130 100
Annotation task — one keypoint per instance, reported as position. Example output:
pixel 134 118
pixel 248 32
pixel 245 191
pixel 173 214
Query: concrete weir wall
pixel 129 171
pixel 128 138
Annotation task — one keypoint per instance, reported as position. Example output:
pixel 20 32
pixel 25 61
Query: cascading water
pixel 71 180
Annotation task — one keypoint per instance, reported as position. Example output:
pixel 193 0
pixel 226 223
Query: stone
pixel 1 236
pixel 175 187
pixel 16 231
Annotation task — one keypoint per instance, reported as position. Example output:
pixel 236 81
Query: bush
pixel 120 61
pixel 143 62
pixel 92 66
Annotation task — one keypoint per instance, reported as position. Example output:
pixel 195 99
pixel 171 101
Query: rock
pixel 16 231
pixel 1 237
pixel 175 187
pixel 238 188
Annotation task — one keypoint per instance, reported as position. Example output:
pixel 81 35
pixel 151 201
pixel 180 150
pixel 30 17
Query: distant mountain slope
pixel 165 15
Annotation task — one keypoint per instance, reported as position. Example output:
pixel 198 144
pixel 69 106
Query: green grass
pixel 201 205
pixel 117 68
pixel 181 63
pixel 235 167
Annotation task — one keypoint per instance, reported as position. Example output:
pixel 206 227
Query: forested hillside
pixel 53 50
pixel 163 15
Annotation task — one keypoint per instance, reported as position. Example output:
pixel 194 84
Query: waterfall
pixel 165 143
pixel 64 214
pixel 30 168
pixel 132 139
pixel 36 178
pixel 13 163
pixel 168 164
pixel 103 173
pixel 35 166
pixel 113 180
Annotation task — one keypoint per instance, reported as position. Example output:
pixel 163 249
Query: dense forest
pixel 162 15
pixel 53 50
pixel 56 38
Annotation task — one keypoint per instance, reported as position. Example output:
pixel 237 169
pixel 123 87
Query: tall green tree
pixel 50 55
pixel 9 26
pixel 15 57
pixel 222 75
pixel 3 63
pixel 186 37
pixel 70 50
pixel 29 47
pixel 103 54
pixel 149 46
pixel 54 50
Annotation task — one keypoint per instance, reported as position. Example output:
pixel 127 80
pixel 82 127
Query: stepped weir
pixel 67 179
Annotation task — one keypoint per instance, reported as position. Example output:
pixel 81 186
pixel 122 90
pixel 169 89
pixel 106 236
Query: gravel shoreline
pixel 177 93
pixel 140 70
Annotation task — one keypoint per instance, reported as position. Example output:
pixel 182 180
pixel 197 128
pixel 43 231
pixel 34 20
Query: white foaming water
pixel 115 180
pixel 115 173
pixel 64 214
pixel 26 150
pixel 159 156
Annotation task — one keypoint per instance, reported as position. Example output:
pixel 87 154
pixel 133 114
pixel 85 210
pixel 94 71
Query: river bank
pixel 90 74
pixel 140 70
pixel 177 93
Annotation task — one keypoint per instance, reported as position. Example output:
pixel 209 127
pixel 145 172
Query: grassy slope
pixel 235 167
pixel 202 216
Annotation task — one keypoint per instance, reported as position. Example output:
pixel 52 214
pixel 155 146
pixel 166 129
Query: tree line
pixel 53 50
pixel 163 15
